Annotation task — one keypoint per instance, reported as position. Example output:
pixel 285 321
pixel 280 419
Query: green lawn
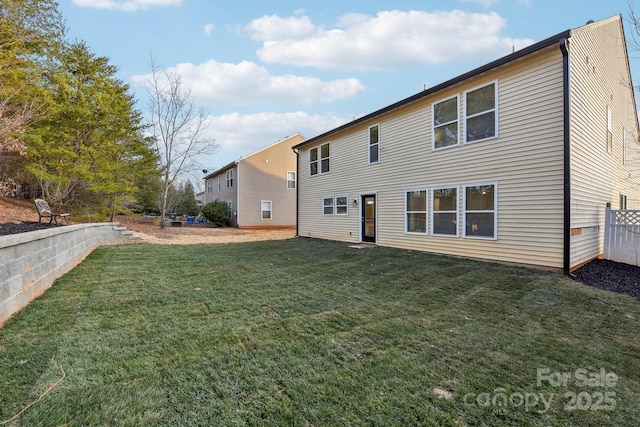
pixel 309 332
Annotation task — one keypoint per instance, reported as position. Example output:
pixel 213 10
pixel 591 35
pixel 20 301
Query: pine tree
pixel 31 34
pixel 89 151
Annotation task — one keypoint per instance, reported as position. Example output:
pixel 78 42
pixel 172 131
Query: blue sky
pixel 268 69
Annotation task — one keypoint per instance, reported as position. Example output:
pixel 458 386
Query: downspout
pixel 297 190
pixel 564 48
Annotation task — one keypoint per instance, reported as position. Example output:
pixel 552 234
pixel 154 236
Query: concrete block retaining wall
pixel 31 262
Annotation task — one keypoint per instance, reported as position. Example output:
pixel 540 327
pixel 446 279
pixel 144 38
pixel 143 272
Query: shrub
pixel 216 212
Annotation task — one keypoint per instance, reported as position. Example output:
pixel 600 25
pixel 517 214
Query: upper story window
pixel 480 116
pixel 319 160
pixel 480 211
pixel 445 123
pixel 209 186
pixel 230 178
pixel 374 144
pixel 291 180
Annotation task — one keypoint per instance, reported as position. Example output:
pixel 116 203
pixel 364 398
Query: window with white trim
pixel 291 180
pixel 342 205
pixel 229 210
pixel 230 178
pixel 209 186
pixel 265 209
pixel 480 113
pixel 416 212
pixel 327 206
pixel 444 211
pixel 480 217
pixel 445 123
pixel 374 144
pixel 319 160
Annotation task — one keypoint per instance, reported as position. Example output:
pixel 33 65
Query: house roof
pixel 480 70
pixel 235 162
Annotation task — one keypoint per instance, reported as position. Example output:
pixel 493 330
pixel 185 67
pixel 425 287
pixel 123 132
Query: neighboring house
pixel 200 199
pixel 514 161
pixel 259 189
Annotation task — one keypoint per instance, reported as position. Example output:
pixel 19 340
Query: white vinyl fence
pixel 622 236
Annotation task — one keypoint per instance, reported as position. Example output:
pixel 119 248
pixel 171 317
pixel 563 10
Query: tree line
pixel 70 131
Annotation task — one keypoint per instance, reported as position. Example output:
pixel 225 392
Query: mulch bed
pixel 611 276
pixel 22 227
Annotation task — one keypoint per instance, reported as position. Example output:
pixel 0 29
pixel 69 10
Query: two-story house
pixel 514 161
pixel 259 189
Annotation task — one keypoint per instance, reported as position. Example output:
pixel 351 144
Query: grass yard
pixel 309 332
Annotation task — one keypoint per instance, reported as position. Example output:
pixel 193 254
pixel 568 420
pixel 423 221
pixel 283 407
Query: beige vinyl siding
pixel 225 194
pixel 525 161
pixel 599 79
pixel 263 176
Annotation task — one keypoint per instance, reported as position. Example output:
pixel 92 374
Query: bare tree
pixel 179 129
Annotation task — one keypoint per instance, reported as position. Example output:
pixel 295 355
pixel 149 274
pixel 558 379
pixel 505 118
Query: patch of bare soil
pixel 189 234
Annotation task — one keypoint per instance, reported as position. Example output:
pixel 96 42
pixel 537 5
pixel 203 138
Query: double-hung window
pixel 416 211
pixel 229 210
pixel 480 113
pixel 265 209
pixel 444 211
pixel 342 205
pixel 230 178
pixel 291 180
pixel 445 123
pixel 319 160
pixel 480 211
pixel 327 206
pixel 374 144
pixel 209 186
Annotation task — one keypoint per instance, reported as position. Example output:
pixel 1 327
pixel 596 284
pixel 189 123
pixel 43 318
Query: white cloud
pixel 208 29
pixel 391 39
pixel 274 27
pixel 246 133
pixel 127 5
pixel 248 83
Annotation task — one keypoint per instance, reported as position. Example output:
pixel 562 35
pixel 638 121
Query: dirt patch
pixel 190 234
